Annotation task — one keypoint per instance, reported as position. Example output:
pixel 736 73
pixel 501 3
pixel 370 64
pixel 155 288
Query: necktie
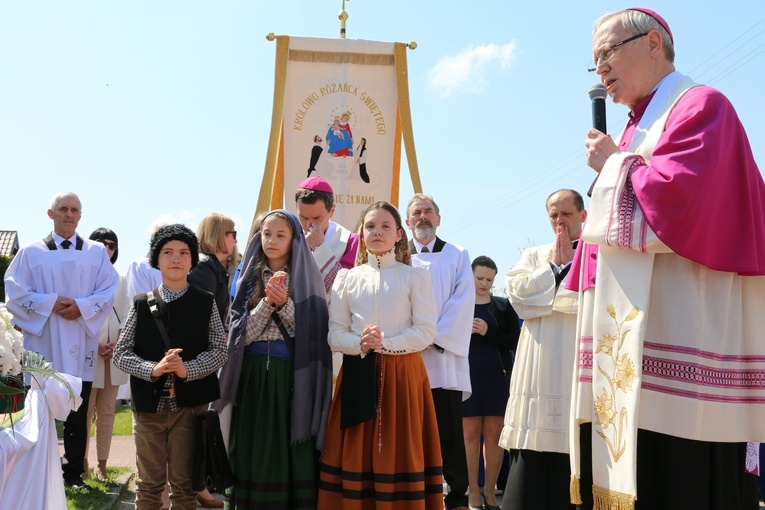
pixel 424 250
pixel 66 243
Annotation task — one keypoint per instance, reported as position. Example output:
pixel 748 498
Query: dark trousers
pixel 538 481
pixel 673 472
pixel 76 435
pixel 448 404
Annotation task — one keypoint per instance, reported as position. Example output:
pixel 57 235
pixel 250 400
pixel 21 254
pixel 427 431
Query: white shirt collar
pixel 58 239
pixel 419 245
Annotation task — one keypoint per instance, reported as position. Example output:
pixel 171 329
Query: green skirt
pixel 269 472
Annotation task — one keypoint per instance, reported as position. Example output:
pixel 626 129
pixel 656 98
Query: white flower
pixel 11 344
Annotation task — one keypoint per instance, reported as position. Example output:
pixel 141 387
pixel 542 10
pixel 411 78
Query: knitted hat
pixel 174 232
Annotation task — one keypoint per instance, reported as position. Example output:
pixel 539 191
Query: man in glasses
pixel 60 290
pixel 672 284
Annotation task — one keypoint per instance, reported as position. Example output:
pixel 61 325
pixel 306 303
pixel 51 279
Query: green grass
pixel 95 494
pixel 123 423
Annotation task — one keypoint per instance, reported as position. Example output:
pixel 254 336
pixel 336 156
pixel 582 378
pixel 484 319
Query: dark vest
pixel 187 321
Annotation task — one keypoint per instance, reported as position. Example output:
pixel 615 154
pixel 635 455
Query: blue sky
pixel 160 111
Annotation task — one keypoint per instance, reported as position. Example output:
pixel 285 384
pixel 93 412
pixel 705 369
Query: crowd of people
pixel 625 358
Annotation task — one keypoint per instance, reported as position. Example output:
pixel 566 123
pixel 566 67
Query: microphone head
pixel 598 91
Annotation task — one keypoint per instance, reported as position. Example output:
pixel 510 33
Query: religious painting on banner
pixel 339 115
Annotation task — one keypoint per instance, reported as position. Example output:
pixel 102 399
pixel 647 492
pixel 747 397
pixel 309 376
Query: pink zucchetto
pixel 657 17
pixel 316 184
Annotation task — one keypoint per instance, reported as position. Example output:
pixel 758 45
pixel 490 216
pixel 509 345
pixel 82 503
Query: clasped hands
pixel 479 326
pixel 276 291
pixel 562 251
pixel 67 308
pixel 106 351
pixel 172 363
pixel 371 338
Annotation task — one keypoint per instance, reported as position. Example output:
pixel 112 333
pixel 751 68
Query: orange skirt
pixel 390 462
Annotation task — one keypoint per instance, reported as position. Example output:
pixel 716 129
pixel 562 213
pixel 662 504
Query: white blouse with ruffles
pixel 396 297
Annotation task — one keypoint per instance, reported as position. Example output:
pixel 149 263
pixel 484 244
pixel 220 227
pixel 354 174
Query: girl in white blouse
pixel 382 437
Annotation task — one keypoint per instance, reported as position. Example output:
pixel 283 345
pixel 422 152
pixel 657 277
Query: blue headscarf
pixel 312 359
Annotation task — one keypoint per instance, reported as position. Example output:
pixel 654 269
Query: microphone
pixel 598 95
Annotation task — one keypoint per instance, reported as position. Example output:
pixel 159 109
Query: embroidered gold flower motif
pixel 604 410
pixel 619 371
pixel 633 314
pixel 606 344
pixel 625 373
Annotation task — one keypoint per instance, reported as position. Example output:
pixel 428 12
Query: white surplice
pixel 454 290
pixel 140 278
pixel 537 414
pixel 36 277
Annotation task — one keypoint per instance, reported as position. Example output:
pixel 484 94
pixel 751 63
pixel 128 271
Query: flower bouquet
pixel 11 349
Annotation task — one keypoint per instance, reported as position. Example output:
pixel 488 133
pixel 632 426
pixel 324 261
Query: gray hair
pixel 638 22
pixel 60 197
pixel 421 196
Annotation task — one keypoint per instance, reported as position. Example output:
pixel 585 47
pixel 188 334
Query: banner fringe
pixel 605 499
pixel 329 57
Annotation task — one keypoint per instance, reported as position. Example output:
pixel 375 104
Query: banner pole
pixel 343 17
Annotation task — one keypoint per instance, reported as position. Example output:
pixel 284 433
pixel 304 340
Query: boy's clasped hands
pixel 172 363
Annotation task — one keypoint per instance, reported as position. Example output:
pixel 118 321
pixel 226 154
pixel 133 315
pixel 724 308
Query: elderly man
pixel 447 360
pixel 669 349
pixel 60 290
pixel 537 415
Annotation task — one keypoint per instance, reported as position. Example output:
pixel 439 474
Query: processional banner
pixel 341 110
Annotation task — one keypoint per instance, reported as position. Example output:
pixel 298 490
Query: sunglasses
pixel 232 232
pixel 109 244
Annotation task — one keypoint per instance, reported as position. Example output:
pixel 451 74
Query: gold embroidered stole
pixel 613 317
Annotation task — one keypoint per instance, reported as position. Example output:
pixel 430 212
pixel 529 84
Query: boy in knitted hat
pixel 172 345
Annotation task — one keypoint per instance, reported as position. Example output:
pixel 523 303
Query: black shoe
pixel 487 506
pixel 74 483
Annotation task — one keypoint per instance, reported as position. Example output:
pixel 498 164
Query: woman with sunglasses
pixel 103 396
pixel 217 244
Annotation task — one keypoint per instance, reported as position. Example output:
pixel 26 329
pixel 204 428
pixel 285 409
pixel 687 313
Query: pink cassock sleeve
pixel 702 193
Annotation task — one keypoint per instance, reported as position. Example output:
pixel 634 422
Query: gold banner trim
pixel 331 57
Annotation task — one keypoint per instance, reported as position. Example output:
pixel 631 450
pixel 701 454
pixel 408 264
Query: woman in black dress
pixel 494 338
